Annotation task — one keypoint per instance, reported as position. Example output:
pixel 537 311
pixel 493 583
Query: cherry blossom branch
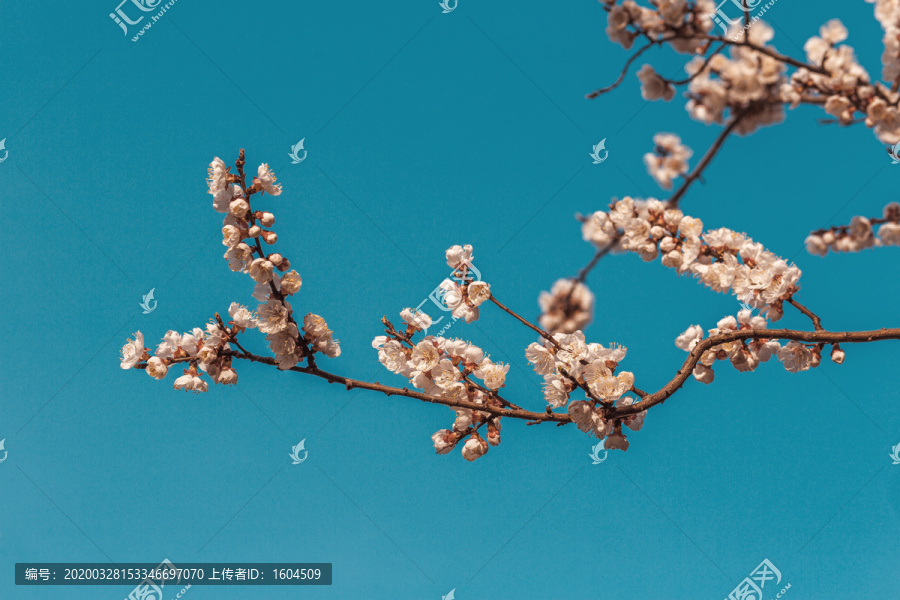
pixel 812 337
pixel 859 234
pixel 515 413
pixel 405 338
pixel 625 68
pixel 553 342
pixel 770 52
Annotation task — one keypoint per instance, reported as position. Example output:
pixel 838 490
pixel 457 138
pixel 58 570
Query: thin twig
pixel 707 158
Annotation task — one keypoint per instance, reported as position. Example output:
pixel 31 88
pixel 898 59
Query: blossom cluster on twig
pixel 582 382
pixel 859 234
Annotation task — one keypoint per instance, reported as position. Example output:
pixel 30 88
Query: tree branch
pixel 849 337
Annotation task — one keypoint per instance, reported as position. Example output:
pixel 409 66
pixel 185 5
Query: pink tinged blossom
pixel 703 373
pixel 466 312
pixel 239 257
pixel 474 448
pixel 274 316
pixel 582 415
pixel 653 87
pixel 690 338
pixel 444 441
pixel 837 355
pixel 222 199
pixel 191 383
pixel 156 368
pixel 132 351
pixel 494 375
pixel 543 361
pixel 290 283
pixel 417 319
pixel 445 374
pixel 452 294
pixel 795 357
pixel 744 360
pixel 555 392
pixel 169 345
pixel 261 270
pixel 315 326
pixel 636 421
pixel 392 356
pixel 425 356
pixel 217 174
pixel 601 427
pixel 457 255
pixel 239 208
pixel 616 441
pixel 227 376
pixel 266 179
pixel 479 291
pixel 242 316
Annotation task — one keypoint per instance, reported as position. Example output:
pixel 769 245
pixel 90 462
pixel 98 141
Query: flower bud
pixel 239 208
pixel 474 448
pixel 275 258
pixel 228 376
pixel 267 219
pixel 270 237
pixel 254 231
pixel 837 355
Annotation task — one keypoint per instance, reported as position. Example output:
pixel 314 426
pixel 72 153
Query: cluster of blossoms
pixel 567 307
pixel 888 14
pixel 568 362
pixel 752 83
pixel 746 355
pixel 668 160
pixel 844 88
pixel 748 84
pixel 243 232
pixel 461 294
pixel 720 258
pixel 445 368
pixel 859 235
pixel 207 350
pixel 628 21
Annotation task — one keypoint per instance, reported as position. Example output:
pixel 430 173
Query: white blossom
pixel 156 368
pixel 132 351
pixel 266 179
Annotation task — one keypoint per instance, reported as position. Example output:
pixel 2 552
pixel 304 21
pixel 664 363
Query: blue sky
pixel 423 130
